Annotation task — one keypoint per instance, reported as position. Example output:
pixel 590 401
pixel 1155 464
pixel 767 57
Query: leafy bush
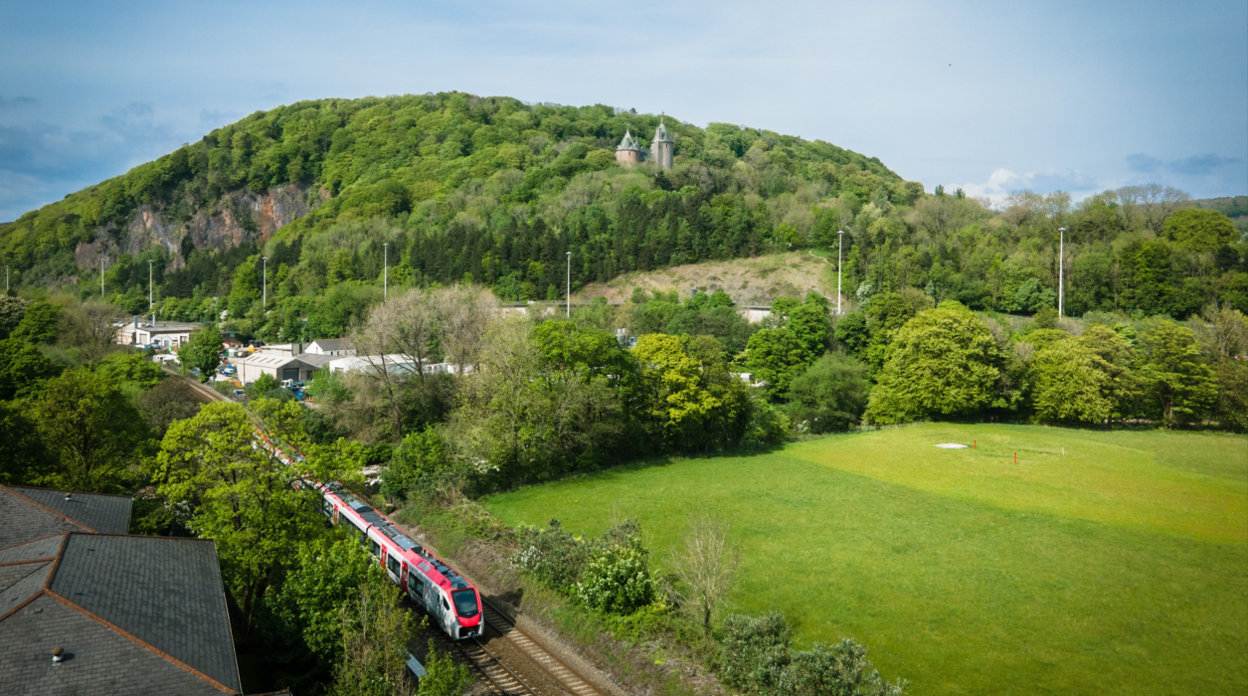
pixel 618 580
pixel 756 659
pixel 552 555
pixel 831 395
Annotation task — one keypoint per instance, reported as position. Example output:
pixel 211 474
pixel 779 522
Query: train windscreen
pixel 465 603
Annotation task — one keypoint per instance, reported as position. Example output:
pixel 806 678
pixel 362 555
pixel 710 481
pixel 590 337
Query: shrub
pixel 552 555
pixel 830 395
pixel 755 652
pixel 835 670
pixel 618 580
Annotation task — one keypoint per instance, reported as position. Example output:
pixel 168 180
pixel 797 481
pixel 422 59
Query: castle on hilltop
pixel 631 152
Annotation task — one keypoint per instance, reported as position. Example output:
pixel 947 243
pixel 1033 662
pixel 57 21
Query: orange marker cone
pixel 1016 457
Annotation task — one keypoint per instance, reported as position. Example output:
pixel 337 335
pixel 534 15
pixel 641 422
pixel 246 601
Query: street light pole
pixel 264 280
pixel 840 241
pixel 150 303
pixel 569 287
pixel 101 277
pixel 385 270
pixel 1061 269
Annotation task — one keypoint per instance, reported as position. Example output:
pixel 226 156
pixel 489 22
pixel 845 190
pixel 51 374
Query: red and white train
pixel 452 601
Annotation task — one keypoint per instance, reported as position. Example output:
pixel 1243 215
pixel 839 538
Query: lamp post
pixel 150 303
pixel 385 270
pixel 6 279
pixel 264 282
pixel 840 240
pixel 569 286
pixel 101 277
pixel 1061 268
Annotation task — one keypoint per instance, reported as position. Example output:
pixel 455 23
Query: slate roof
pixel 106 514
pixel 23 520
pixel 134 614
pixel 333 343
pixel 145 615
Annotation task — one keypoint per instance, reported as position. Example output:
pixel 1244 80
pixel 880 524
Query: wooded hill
pixel 495 191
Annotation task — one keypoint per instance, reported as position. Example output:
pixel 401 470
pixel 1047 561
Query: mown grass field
pixel 1100 563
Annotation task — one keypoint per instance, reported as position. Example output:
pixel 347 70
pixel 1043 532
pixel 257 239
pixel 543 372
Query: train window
pixel 327 506
pixel 465 603
pixel 374 548
pixel 394 566
pixel 444 604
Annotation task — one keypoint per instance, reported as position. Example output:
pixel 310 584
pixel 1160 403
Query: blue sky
pixel 989 96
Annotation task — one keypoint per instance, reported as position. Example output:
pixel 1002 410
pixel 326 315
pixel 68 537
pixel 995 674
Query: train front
pixel 467 603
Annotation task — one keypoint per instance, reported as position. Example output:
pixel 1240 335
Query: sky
pixel 990 97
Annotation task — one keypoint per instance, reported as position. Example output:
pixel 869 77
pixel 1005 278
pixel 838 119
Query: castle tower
pixel 628 152
pixel 662 148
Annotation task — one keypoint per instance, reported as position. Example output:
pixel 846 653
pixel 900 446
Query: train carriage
pixel 450 600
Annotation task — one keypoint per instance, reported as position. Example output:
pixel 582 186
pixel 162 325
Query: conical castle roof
pixel 660 133
pixel 628 143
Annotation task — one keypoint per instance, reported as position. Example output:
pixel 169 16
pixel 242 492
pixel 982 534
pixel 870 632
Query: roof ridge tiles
pixel 29 560
pixel 28 600
pixel 62 490
pixel 139 641
pixel 56 562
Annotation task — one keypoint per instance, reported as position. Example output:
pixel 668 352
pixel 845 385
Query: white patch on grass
pixel 951 445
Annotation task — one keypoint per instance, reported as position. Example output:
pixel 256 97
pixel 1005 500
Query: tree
pixel 1199 229
pixel 1115 358
pixel 1232 408
pixel 375 632
pixel 22 454
pixel 442 676
pixel 706 565
pixel 132 368
pixel 12 309
pixel 831 395
pixel 92 430
pixel 421 454
pixel 944 362
pixel 38 324
pixel 687 397
pixel 166 403
pixel 809 322
pixel 203 352
pixel 1223 331
pixel 1180 386
pixel 238 495
pixel 23 369
pixel 90 327
pixel 1067 384
pixel 853 334
pixel 775 357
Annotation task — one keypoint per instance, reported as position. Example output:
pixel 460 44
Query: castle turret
pixel 628 152
pixel 662 148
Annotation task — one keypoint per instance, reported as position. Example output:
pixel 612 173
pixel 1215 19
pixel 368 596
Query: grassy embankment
pixel 1102 562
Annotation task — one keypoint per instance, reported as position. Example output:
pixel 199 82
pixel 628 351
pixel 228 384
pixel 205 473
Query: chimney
pixel 56 656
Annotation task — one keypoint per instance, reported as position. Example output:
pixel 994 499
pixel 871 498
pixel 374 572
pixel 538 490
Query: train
pixel 450 599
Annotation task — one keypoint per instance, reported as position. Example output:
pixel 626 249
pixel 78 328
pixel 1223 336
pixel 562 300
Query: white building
pixel 394 364
pixel 163 334
pixel 281 367
pixel 336 347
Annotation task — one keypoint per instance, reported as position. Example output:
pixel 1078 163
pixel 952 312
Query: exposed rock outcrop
pixel 241 217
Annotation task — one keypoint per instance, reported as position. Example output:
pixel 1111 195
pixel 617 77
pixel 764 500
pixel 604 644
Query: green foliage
pixel 1045 318
pixel 775 357
pixel 442 676
pixel 376 629
pixel 853 334
pixel 755 652
pixel 1068 386
pixel 617 580
pixel 202 352
pixel 238 495
pixel 1232 408
pixel 264 384
pixel 22 454
pixel 420 455
pixel 22 369
pixel 12 309
pixel 38 324
pixel 688 398
pixel 92 430
pixel 831 395
pixel 836 670
pixel 1180 386
pixel 1200 230
pixel 944 362
pixel 553 555
pixel 133 368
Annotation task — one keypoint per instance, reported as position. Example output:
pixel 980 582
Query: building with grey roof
pixel 83 612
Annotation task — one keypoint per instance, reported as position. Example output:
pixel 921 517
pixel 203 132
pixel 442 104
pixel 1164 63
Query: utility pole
pixel 569 290
pixel 150 303
pixel 264 292
pixel 385 271
pixel 1061 269
pixel 6 279
pixel 101 278
pixel 840 242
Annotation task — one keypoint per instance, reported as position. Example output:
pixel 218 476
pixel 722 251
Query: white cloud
pixel 1003 182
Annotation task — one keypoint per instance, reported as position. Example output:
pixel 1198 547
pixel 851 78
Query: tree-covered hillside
pixel 452 187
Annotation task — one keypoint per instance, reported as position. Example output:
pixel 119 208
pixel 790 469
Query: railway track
pixel 497 677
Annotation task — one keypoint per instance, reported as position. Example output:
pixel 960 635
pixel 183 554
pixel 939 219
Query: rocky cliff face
pixel 242 217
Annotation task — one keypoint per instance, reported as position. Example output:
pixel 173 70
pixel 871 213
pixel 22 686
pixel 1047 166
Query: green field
pixel 1102 562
